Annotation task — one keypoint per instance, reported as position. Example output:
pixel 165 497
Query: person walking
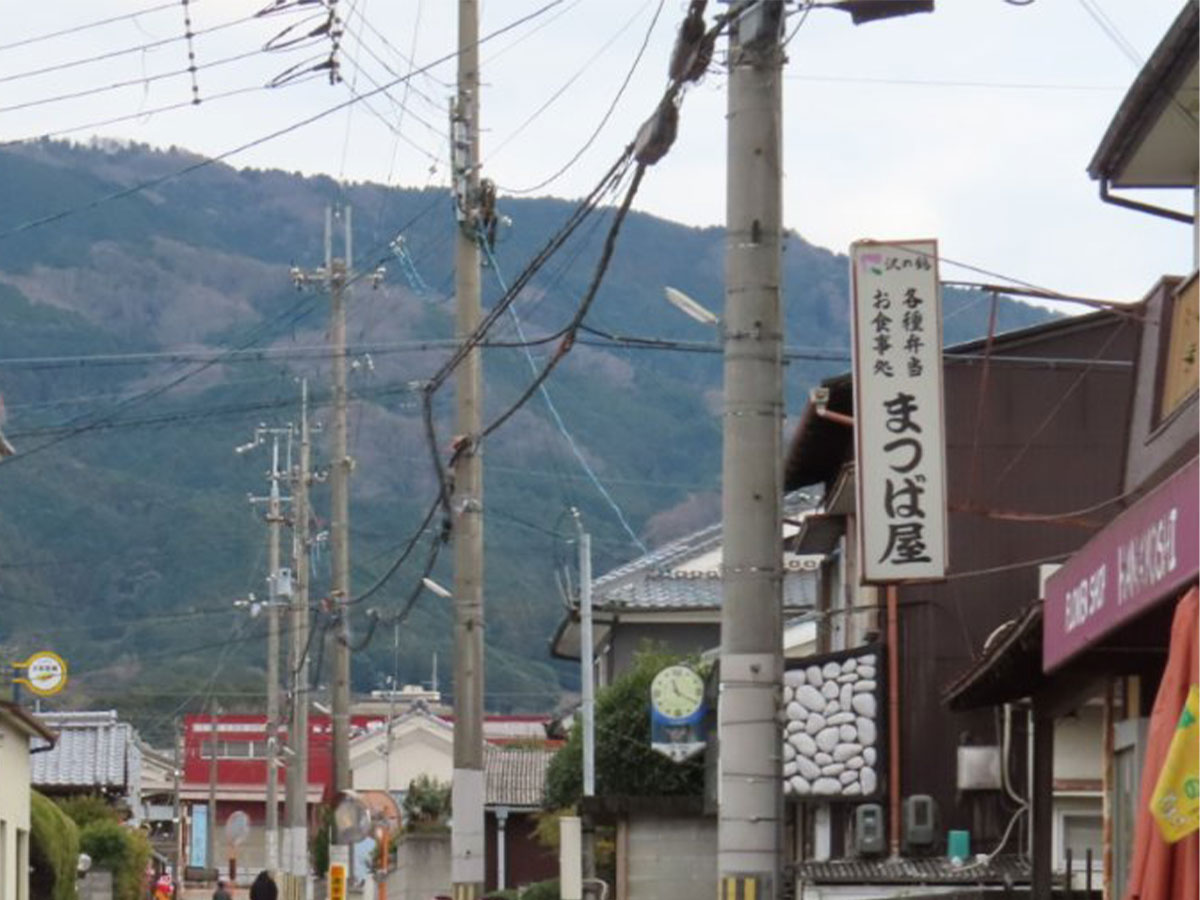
pixel 264 887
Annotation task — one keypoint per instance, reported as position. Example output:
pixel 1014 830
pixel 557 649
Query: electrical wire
pixel 75 29
pixel 113 54
pixel 256 142
pixel 77 428
pixel 554 413
pixel 131 82
pixel 584 67
pixel 591 139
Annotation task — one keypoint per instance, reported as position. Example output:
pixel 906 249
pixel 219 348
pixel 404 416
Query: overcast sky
pixel 973 125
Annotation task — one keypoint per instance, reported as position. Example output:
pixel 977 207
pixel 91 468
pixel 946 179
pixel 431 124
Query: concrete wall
pixel 669 858
pixel 1079 745
pixel 96 885
pixel 14 812
pixel 422 867
pixel 414 751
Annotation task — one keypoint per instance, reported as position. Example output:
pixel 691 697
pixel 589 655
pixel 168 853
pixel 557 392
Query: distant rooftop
pixel 660 580
pixel 94 750
pixel 516 777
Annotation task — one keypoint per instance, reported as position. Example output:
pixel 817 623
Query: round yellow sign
pixel 45 673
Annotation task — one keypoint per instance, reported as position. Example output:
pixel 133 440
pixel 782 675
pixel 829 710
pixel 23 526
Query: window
pixel 233 749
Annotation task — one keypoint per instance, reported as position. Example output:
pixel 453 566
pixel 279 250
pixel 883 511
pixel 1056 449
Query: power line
pixel 75 29
pixel 113 54
pixel 612 106
pixel 584 67
pixel 140 81
pixel 288 129
pixel 554 414
pixel 936 82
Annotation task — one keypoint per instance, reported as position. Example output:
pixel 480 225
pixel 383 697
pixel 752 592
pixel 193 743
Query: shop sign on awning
pixel 898 417
pixel 1148 552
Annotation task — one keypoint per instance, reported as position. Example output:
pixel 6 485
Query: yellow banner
pixel 1175 803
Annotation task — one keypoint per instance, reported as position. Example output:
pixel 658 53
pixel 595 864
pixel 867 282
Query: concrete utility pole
pixel 296 836
pixel 339 526
pixel 177 813
pixel 210 835
pixel 274 522
pixel 467 836
pixel 277 589
pixel 751 799
pixel 334 277
pixel 587 681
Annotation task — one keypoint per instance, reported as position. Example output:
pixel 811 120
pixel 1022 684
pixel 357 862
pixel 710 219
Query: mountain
pixel 143 338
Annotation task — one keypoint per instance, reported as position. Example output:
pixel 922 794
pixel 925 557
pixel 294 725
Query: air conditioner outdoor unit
pixel 869 839
pixel 920 822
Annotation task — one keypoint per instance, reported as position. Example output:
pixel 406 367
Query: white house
pixel 17 730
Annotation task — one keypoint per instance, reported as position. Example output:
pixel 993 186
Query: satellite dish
pixel 351 820
pixel 237 828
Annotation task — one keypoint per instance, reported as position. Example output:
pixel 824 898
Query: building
pixel 1034 422
pixel 515 787
pixel 383 757
pixel 1116 625
pixel 95 753
pixel 18 730
pixel 671 597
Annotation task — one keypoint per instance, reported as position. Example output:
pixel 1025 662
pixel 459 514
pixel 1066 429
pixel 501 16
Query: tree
pixel 53 851
pixel 625 764
pixel 122 850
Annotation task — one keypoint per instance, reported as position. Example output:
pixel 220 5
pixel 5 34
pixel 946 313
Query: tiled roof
pixel 516 777
pixel 799 592
pixel 928 870
pixel 648 582
pixel 93 750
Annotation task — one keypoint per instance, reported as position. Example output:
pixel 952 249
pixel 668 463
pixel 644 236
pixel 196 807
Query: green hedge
pixel 123 851
pixel 53 851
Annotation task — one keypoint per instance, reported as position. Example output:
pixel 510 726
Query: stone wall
pixel 831 733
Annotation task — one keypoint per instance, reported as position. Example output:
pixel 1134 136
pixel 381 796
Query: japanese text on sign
pixel 898 410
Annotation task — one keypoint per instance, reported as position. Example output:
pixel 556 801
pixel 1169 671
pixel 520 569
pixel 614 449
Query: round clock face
pixel 676 692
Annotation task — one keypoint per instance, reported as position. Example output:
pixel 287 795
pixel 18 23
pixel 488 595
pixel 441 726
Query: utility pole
pixel 588 688
pixel 210 835
pixel 749 834
pixel 278 586
pixel 339 526
pixel 176 813
pixel 296 836
pixel 467 790
pixel 334 277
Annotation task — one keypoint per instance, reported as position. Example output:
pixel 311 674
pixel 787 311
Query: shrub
pixel 625 764
pixel 426 804
pixel 123 851
pixel 86 809
pixel 53 851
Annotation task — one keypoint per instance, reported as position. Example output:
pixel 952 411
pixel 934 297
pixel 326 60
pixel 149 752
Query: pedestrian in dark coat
pixel 264 887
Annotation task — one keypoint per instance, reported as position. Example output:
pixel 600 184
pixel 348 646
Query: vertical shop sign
pixel 898 410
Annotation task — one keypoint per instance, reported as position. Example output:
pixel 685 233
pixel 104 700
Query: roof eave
pixel 1149 95
pixel 26 722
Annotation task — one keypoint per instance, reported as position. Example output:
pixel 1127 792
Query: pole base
pixel 744 887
